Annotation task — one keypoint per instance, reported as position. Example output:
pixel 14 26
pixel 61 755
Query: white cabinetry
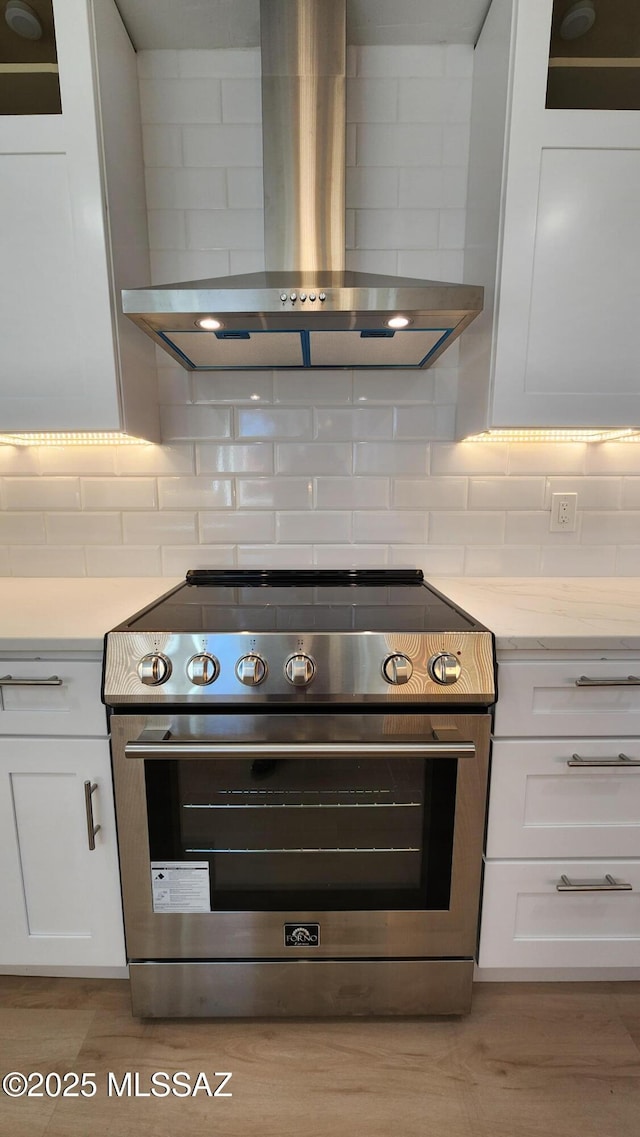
pixel 72 234
pixel 60 898
pixel 564 803
pixel 553 231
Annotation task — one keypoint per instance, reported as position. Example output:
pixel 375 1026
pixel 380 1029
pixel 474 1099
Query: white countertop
pixel 561 613
pixel 581 613
pixel 70 613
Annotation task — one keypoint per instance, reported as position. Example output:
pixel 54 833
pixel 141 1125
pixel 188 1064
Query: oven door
pixel 274 836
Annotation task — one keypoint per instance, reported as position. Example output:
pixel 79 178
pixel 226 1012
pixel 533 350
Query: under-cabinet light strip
pixel 620 434
pixel 71 438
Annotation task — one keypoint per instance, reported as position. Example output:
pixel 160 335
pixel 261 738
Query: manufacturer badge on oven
pixel 301 935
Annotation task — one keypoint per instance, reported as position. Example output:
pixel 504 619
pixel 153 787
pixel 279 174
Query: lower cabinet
pixel 60 898
pixel 562 863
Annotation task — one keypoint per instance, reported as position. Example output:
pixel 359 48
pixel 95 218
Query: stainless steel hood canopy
pixel 306 310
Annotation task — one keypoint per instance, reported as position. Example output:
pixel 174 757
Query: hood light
pixel 619 434
pixel 398 322
pixel 209 324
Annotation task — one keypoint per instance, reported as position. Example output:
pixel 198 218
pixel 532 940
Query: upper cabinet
pixel 72 227
pixel 553 224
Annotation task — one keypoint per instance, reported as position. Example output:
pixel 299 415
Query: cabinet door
pixel 60 900
pixel 574 698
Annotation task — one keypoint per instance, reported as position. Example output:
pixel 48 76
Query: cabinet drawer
pixel 69 704
pixel 540 806
pixel 526 922
pixel 552 699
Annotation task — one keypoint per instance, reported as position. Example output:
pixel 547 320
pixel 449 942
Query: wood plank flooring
pixel 531 1060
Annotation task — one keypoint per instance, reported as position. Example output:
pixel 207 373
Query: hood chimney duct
pixel 303 46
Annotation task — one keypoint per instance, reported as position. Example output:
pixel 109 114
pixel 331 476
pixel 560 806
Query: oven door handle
pixel 144 747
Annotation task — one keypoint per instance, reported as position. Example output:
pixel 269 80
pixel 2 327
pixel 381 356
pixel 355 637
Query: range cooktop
pixel 292 635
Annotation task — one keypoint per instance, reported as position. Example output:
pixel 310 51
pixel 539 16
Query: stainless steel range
pixel 300 764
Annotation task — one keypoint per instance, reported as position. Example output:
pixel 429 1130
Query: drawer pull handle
pixel 609 884
pixel 621 761
pixel 620 681
pixel 92 829
pixel 14 681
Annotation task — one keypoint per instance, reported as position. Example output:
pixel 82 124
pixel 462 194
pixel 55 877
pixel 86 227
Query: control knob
pixel 154 669
pixel 299 670
pixel 444 668
pixel 251 670
pixel 202 669
pixel 397 669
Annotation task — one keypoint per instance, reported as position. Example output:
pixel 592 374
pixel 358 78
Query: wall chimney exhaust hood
pixel 306 310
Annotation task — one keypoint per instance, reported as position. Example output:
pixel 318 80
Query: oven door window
pixel 308 834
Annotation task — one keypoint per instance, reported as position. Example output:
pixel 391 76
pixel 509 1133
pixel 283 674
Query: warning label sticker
pixel 180 886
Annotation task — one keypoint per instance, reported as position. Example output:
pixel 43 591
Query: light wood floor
pixel 531 1060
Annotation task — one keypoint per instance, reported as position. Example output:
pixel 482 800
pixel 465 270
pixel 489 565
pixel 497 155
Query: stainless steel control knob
pixel 444 668
pixel 154 669
pixel 299 670
pixel 251 670
pixel 397 669
pixel 202 669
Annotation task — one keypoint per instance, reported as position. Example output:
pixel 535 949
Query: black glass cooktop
pixel 362 600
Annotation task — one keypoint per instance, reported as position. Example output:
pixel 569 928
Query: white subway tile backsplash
pixel 166 228
pixel 393 387
pixel 246 260
pixel 621 528
pixel 314 458
pixel 452 226
pixel 308 528
pixel 21 527
pixel 429 493
pixel 372 100
pixel 196 422
pixel 84 528
pixel 469 458
pixel 581 560
pixel 274 422
pixel 434 560
pixel 396 229
pixel 391 458
pixel 375 189
pixel 162 528
pixel 162 145
pixel 350 556
pixel 274 493
pixel 195 493
pixel 416 422
pixel 541 458
pixel 224 229
pixel 244 188
pixel 313 388
pixel 170 265
pixel 119 493
pixel 627 560
pixel 427 188
pixel 630 490
pixel 178 561
pixel 458 60
pixel 593 493
pixel 5 563
pixel 612 458
pixel 230 144
pixel 174 459
pixel 179 101
pixel 219 63
pixel 532 528
pixel 455 145
pixel 235 387
pixel 185 189
pixel 49 561
pixel 123 560
pixel 502 560
pixel 466 528
pixel 223 458
pixel 274 556
pixel 233 527
pixel 403 144
pixel 241 100
pixel 26 459
pixel 395 528
pixel 400 61
pixel 40 493
pixel 506 493
pixel 372 260
pixel 352 493
pixel 434 100
pixel 158 64
pixel 340 424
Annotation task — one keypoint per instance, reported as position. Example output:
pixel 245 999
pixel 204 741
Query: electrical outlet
pixel 564 509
